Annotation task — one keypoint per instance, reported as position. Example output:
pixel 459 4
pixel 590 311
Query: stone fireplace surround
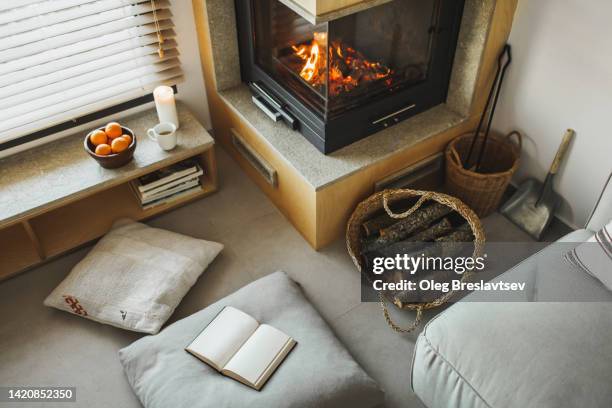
pixel 219 48
pixel 317 168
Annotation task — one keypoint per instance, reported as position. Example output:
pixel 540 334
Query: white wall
pixel 192 91
pixel 561 77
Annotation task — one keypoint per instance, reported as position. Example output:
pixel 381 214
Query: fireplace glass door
pixel 337 65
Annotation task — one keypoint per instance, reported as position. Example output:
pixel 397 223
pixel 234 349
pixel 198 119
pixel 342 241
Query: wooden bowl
pixel 112 161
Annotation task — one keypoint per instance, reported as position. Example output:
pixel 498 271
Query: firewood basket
pixel 372 206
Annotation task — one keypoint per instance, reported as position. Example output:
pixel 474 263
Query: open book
pixel 236 345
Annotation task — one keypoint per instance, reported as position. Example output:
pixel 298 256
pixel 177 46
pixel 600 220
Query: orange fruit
pixel 128 138
pixel 98 137
pixel 119 144
pixel 113 130
pixel 103 149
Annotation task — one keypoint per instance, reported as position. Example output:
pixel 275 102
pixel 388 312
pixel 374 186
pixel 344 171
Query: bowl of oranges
pixel 111 146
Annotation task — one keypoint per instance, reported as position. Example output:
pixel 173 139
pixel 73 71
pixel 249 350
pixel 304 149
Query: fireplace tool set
pixel 480 165
pixel 502 67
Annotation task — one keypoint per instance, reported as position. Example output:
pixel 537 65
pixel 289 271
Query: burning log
pixel 348 68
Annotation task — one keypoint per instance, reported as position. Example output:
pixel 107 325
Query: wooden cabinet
pixel 293 196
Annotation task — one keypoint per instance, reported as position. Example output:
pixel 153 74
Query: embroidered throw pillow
pixel 595 256
pixel 134 277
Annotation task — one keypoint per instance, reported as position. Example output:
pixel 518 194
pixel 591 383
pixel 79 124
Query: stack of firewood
pixel 426 232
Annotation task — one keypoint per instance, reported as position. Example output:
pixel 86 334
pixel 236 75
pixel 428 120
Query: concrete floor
pixel 42 346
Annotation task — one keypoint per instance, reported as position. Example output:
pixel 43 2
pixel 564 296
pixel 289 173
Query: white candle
pixel 165 105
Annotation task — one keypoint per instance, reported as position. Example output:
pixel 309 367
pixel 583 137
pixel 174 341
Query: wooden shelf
pixel 17 251
pixel 85 220
pixel 50 176
pixel 58 230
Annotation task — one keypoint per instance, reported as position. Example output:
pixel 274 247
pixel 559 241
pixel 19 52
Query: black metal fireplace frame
pixel 363 120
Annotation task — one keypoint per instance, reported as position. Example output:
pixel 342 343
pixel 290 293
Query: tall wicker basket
pixel 482 191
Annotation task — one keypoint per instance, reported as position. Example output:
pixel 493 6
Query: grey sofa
pixel 525 354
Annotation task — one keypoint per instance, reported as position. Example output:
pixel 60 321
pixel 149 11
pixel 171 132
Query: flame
pixel 348 68
pixel 310 69
pixel 313 70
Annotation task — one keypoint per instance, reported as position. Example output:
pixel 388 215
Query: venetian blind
pixel 61 59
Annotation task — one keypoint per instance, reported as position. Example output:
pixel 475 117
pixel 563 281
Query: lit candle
pixel 165 105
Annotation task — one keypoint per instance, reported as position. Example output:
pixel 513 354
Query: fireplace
pixel 341 80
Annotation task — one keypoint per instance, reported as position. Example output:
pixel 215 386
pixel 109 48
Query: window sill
pixel 49 176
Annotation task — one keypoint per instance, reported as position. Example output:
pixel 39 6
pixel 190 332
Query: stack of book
pixel 169 184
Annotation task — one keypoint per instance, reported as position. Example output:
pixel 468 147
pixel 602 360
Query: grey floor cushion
pixel 319 372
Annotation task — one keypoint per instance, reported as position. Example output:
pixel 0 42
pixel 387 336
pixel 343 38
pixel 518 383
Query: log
pixel 412 249
pixel 437 230
pixel 417 221
pixel 420 296
pixel 442 237
pixel 461 234
pixel 454 242
pixel 373 226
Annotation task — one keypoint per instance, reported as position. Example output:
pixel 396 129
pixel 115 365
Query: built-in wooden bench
pixel 54 198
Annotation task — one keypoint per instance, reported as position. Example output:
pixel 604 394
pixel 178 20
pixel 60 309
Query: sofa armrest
pixel 602 213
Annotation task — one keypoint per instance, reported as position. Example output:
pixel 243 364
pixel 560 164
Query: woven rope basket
pixel 382 200
pixel 482 191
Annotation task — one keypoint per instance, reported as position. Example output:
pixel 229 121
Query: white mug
pixel 164 134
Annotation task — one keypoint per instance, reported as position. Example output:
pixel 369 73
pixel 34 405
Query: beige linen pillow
pixel 134 277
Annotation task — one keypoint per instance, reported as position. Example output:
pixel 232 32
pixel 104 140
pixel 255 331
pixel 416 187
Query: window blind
pixel 61 59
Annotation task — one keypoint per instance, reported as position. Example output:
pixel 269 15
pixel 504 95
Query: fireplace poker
pixel 507 52
pixel 488 103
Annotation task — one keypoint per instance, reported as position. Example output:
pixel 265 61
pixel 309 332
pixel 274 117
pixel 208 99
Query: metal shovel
pixel 533 205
